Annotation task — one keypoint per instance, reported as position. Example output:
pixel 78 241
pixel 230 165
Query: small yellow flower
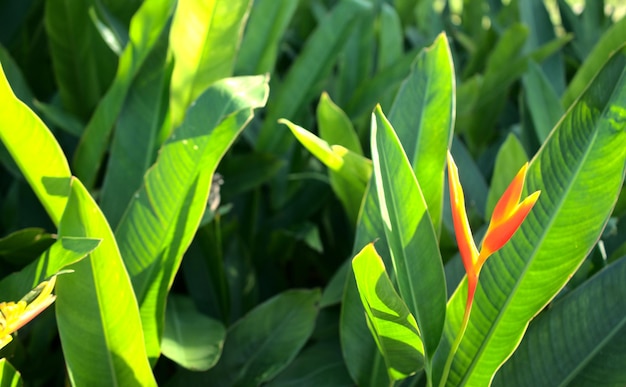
pixel 14 315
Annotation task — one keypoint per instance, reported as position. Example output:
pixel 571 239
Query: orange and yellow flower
pixel 14 315
pixel 508 215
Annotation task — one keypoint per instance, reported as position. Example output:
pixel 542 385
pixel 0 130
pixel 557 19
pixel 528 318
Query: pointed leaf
pixel 335 126
pixel 97 313
pixel 349 172
pixel 393 326
pixel 423 117
pixel 412 241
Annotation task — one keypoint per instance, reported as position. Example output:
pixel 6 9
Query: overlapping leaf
pixel 165 213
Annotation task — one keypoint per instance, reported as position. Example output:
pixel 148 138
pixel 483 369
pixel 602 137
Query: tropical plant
pixel 324 250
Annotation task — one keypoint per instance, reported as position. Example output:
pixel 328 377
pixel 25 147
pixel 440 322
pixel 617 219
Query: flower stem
pixel 457 343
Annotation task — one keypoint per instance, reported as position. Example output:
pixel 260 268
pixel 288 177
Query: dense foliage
pixel 202 173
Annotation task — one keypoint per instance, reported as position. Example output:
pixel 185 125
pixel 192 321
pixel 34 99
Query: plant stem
pixel 456 344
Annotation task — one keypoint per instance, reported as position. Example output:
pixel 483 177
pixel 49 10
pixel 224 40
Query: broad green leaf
pixel 335 127
pixel 410 234
pixel 204 39
pixel 349 171
pixel 611 40
pixel 35 151
pixel 311 66
pixel 83 64
pixel 96 310
pixel 264 33
pixel 510 158
pixel 586 149
pixel 318 365
pixel 145 29
pixel 164 214
pixel 9 377
pixel 543 102
pixel 423 117
pixel 264 341
pixel 133 147
pixel 64 252
pixel 393 326
pixel 190 338
pixel 579 340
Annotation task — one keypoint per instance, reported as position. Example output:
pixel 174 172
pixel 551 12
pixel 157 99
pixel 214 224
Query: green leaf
pixel 82 62
pixel 64 252
pixel 335 126
pixel 204 39
pixel 510 158
pixel 318 365
pixel 349 172
pixel 190 338
pixel 311 66
pixel 133 147
pixel 9 377
pixel 145 29
pixel 423 117
pixel 587 149
pixel 264 341
pixel 611 41
pixel 412 241
pixel 264 33
pixel 35 151
pixel 543 102
pixel 163 217
pixel 97 313
pixel 595 315
pixel 393 326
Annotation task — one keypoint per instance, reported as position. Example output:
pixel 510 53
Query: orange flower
pixel 507 216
